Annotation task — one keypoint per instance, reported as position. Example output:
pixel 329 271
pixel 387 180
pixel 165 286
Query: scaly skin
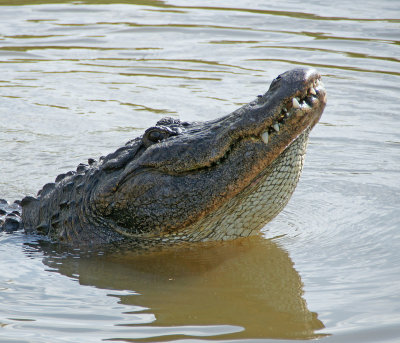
pixel 180 181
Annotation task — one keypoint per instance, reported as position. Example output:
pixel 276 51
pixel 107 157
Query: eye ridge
pixel 157 134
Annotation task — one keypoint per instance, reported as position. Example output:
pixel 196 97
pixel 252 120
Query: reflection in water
pixel 249 285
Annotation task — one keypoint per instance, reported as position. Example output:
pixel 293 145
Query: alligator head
pixel 180 181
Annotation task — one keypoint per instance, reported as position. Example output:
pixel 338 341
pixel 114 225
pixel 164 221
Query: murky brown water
pixel 78 79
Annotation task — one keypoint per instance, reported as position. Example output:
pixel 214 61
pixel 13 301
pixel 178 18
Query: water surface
pixel 79 79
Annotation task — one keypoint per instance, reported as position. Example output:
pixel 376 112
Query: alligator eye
pixel 157 134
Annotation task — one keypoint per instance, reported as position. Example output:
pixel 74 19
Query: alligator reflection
pixel 249 283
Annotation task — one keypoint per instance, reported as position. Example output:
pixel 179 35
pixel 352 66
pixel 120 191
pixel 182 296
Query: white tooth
pixel 264 137
pixel 295 103
pixel 276 127
pixel 312 91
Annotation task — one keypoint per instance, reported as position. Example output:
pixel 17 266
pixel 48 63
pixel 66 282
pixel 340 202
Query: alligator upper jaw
pixel 293 103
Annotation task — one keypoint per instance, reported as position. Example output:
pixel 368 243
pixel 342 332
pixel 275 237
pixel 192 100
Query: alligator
pixel 184 181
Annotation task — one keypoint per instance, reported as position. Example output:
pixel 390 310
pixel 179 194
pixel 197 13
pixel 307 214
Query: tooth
pixel 312 91
pixel 264 137
pixel 295 103
pixel 276 127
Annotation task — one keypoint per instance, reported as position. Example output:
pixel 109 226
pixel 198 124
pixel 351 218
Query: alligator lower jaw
pixel 241 213
pixel 249 210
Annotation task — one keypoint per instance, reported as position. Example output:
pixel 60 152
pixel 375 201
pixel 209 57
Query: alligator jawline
pixel 287 110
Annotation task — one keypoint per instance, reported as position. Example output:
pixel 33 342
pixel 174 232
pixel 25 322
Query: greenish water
pixel 79 79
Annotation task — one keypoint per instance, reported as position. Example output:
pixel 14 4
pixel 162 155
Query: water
pixel 78 79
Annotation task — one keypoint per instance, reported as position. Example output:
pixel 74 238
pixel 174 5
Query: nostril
pixel 275 83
